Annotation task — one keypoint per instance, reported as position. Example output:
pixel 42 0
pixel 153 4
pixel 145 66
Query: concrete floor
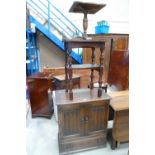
pixel 41 139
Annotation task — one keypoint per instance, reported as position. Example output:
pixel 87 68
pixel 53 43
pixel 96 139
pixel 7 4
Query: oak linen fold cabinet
pixel 82 122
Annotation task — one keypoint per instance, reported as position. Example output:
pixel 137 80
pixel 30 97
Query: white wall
pixel 116 13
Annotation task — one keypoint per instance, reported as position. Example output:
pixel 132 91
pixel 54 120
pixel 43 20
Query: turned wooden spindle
pixel 66 69
pixel 85 25
pixel 92 70
pixel 100 73
pixel 70 77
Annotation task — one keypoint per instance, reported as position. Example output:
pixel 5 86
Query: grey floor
pixel 41 139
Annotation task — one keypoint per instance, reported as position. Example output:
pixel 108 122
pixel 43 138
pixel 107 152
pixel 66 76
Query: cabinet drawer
pixel 81 144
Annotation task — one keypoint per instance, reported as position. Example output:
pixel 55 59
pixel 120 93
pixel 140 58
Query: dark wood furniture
pixel 39 87
pixel 120 106
pixel 60 83
pixel 82 117
pixel 85 8
pixel 119 70
pixel 81 43
pixel 82 121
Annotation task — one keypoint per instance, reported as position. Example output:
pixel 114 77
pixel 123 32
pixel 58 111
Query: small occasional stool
pixel 60 83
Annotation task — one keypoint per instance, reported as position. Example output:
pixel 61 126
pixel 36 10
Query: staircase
pixel 32 56
pixel 53 24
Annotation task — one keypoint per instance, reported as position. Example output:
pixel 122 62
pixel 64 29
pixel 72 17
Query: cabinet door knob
pixel 86 119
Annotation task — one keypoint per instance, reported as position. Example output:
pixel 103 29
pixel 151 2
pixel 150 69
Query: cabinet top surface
pixel 60 97
pixel 120 100
pixel 41 75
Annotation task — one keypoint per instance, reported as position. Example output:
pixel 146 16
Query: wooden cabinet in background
pixel 82 121
pixel 119 69
pixel 39 86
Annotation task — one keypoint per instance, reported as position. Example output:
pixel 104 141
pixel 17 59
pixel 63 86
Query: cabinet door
pixel 97 117
pixel 70 119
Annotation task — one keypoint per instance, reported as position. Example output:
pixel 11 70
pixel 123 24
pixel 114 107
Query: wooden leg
pixel 114 144
pixel 66 78
pixel 99 92
pixel 66 69
pixel 100 73
pixel 92 70
pixel 79 83
pixel 70 78
pixel 105 88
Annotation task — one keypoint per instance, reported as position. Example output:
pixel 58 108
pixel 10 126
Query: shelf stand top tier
pixel 82 43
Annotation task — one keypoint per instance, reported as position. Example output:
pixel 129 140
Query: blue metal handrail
pixel 49 11
pixel 37 7
pixel 49 19
pixel 66 18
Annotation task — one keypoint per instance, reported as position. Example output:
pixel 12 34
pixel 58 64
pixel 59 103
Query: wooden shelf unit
pixel 81 43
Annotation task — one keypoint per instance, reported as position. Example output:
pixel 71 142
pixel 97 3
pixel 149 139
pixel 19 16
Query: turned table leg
pixel 92 70
pixel 100 73
pixel 114 144
pixel 70 78
pixel 66 69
